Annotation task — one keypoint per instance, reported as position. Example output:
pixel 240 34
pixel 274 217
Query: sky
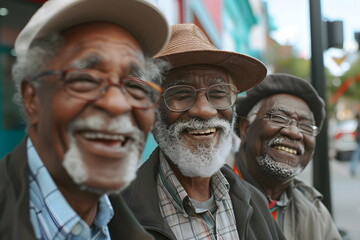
pixel 291 17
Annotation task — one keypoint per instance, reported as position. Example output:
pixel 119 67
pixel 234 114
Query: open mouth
pixel 110 139
pixel 286 146
pixel 286 149
pixel 203 132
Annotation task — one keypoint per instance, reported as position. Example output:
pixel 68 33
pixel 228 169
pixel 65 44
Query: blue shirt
pixel 51 215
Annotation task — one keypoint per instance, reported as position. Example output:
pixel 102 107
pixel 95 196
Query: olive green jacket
pixel 306 217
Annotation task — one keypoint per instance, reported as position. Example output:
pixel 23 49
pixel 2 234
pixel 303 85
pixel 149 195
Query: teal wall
pixel 238 19
pixel 12 129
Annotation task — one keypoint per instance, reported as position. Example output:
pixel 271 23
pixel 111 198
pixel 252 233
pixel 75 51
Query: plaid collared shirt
pixel 184 219
pixel 51 215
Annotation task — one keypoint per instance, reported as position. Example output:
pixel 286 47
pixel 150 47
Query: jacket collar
pixel 142 195
pixel 123 224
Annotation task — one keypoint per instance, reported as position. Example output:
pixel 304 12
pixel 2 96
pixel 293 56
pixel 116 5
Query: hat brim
pixel 140 18
pixel 245 71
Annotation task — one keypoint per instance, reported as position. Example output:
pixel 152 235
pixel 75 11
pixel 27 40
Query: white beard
pixel 194 159
pixel 76 167
pixel 277 170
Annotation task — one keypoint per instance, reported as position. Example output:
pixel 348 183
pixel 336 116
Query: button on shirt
pixel 51 215
pixel 189 219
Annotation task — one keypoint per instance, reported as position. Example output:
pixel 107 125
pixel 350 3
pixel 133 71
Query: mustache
pixel 118 125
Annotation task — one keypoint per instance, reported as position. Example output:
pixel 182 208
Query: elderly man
pixel 80 72
pixel 279 121
pixel 181 192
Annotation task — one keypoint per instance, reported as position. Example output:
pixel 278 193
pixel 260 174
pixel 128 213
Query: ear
pixel 243 126
pixel 30 101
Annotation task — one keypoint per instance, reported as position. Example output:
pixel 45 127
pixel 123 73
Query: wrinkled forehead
pixel 192 74
pixel 101 45
pixel 288 104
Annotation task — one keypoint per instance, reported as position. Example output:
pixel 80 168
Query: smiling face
pixel 278 152
pixel 96 144
pixel 198 140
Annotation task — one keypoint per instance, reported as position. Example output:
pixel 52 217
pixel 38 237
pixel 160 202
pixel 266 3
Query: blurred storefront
pixel 13 16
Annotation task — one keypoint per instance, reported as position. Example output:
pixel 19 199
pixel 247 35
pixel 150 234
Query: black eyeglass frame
pixel 232 88
pixel 289 121
pixel 156 89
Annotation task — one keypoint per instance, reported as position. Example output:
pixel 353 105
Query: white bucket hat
pixel 140 17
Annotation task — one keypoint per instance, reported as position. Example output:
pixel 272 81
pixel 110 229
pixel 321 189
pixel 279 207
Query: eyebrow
pixel 218 80
pixel 89 61
pixel 179 82
pixel 136 71
pixel 280 109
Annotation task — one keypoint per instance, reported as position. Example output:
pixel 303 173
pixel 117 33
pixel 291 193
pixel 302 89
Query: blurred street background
pixel 317 40
pixel 345 192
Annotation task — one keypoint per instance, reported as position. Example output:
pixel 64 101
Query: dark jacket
pixel 14 203
pixel 253 219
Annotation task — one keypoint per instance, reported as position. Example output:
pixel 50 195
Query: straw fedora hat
pixel 188 45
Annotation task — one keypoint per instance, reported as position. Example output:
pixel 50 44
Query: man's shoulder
pixel 307 197
pixel 306 190
pixel 4 175
pixel 13 198
pixel 12 166
pixel 145 181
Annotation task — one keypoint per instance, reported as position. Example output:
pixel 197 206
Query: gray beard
pixel 277 170
pixel 192 158
pixel 77 169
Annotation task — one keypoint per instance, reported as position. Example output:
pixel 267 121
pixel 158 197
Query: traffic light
pixel 357 38
pixel 334 34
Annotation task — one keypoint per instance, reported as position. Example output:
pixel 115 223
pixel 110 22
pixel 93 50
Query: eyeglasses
pixel 91 84
pixel 181 98
pixel 283 121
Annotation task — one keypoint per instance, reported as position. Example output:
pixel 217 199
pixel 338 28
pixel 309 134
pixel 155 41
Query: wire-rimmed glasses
pixel 181 98
pixel 283 121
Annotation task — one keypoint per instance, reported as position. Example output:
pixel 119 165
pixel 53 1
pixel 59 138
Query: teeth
pixel 286 149
pixel 93 135
pixel 205 131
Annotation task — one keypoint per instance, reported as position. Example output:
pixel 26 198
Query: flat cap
pixel 283 84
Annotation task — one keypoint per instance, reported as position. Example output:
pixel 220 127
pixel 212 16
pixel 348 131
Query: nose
pixel 292 131
pixel 114 102
pixel 202 108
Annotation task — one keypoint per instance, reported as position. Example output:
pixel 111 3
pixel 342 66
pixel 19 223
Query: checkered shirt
pixel 51 215
pixel 184 220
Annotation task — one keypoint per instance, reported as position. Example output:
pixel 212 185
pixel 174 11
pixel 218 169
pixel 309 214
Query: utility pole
pixel 321 173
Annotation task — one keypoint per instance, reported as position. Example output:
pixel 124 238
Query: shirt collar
pixel 52 199
pixel 174 190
